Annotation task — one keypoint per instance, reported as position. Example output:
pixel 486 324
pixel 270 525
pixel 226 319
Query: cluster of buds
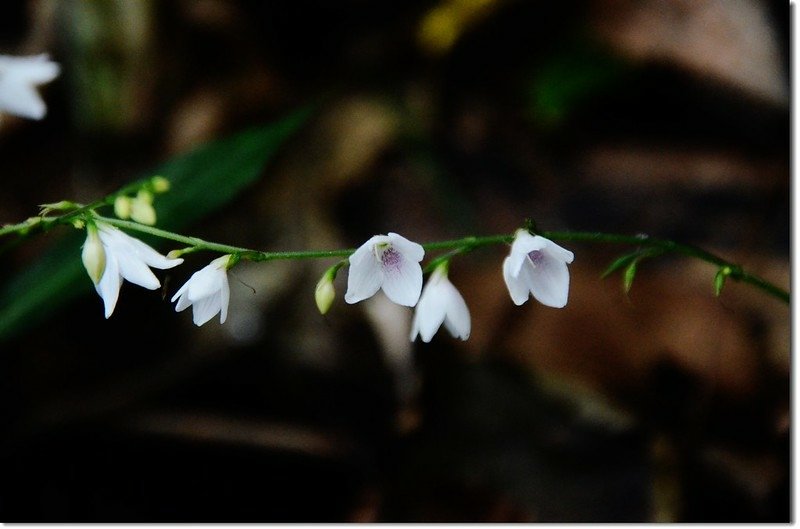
pixel 140 207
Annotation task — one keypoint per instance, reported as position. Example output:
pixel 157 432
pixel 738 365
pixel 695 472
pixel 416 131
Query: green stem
pixel 463 245
pixel 667 246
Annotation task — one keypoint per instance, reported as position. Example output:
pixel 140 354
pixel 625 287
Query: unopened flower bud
pixel 122 207
pixel 145 196
pixel 93 254
pixel 159 184
pixel 63 205
pixel 325 293
pixel 142 210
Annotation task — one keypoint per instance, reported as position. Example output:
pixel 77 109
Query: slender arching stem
pixel 454 246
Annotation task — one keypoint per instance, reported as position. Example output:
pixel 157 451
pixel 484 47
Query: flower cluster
pixel 390 262
pixel 535 266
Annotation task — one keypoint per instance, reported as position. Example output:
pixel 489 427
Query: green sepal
pixel 719 279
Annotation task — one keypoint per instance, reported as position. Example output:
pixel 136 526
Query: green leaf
pixel 202 181
pixel 630 273
pixel 621 262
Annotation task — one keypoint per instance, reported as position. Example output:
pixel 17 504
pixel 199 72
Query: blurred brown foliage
pixel 435 119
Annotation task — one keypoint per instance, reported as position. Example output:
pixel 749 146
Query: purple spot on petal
pixel 536 257
pixel 391 259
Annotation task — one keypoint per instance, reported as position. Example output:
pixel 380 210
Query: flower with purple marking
pixel 537 266
pixel 390 262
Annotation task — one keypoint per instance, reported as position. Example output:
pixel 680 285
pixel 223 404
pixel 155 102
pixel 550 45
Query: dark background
pixel 435 120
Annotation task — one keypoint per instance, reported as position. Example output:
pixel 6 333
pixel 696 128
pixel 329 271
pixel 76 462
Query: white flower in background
pixel 440 303
pixel 390 262
pixel 537 266
pixel 19 77
pixel 111 255
pixel 208 291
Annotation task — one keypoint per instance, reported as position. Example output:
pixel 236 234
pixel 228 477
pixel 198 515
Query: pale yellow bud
pixel 325 293
pixel 142 211
pixel 122 207
pixel 145 196
pixel 160 184
pixel 93 254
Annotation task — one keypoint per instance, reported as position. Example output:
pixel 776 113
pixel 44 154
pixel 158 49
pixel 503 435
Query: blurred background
pixel 435 119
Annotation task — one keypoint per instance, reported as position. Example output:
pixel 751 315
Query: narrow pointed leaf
pixel 630 273
pixel 621 262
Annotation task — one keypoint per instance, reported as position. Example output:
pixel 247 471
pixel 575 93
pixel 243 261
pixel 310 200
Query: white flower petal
pixel 19 77
pixel 207 291
pixel 126 258
pixel 150 256
pixel 22 101
pixel 457 320
pixel 523 244
pixel 36 69
pixel 183 300
pixel 109 285
pixel 205 309
pixel 225 296
pixel 364 276
pixel 430 312
pixel 402 282
pixel 517 287
pixel 204 283
pixel 548 281
pixel 137 272
pixel 556 251
pixel 410 250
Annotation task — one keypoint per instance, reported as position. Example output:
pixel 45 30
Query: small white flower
pixel 440 303
pixel 537 266
pixel 120 256
pixel 390 262
pixel 19 77
pixel 208 291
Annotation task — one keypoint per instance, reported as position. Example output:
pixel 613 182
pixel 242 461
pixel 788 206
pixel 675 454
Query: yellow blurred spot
pixel 445 23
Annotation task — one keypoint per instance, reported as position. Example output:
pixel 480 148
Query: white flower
pixel 390 262
pixel 537 266
pixel 19 77
pixel 440 303
pixel 208 291
pixel 117 256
